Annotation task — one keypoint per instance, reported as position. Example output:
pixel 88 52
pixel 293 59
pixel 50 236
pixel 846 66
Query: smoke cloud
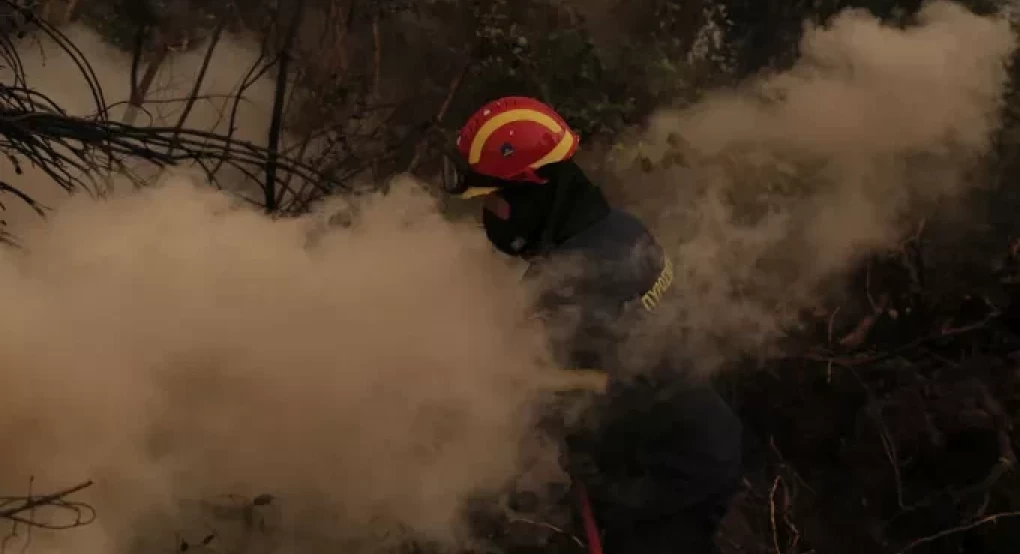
pixel 172 346
pixel 764 194
pixel 178 349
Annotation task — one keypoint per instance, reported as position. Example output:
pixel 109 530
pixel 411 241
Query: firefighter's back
pixel 666 448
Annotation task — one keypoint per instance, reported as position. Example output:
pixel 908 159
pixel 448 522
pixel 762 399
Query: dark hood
pixel 529 219
pixel 575 203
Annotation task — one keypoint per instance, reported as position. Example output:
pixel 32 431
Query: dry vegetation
pixel 841 200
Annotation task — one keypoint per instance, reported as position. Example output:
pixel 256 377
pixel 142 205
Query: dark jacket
pixel 664 449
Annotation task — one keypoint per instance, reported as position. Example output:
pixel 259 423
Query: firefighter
pixel 662 461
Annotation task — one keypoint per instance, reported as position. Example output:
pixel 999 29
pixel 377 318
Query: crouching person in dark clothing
pixel 661 461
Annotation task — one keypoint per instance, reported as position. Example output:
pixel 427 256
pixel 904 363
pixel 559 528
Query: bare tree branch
pixel 286 53
pixel 213 43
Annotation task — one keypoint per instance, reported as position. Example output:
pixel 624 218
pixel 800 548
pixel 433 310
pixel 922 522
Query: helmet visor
pixel 459 180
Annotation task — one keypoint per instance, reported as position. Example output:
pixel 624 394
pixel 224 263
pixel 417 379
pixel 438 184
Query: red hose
pixel 591 529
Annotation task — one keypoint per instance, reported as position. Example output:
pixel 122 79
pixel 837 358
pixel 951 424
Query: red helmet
pixel 510 137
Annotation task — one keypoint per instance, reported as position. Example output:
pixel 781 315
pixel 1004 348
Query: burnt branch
pixel 84 153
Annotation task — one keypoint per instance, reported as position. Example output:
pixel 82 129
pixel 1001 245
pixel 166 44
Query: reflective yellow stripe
pixel 651 299
pixel 510 116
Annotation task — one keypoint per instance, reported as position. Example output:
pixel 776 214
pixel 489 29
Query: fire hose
pixel 591 528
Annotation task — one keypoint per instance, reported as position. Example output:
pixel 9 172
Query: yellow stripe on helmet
pixel 559 153
pixel 509 116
